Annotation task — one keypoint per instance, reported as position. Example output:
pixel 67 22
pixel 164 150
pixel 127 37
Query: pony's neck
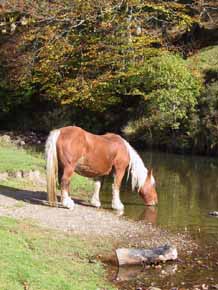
pixel 137 168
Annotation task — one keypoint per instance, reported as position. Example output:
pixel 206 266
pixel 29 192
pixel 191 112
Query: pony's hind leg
pixel 65 185
pixel 95 201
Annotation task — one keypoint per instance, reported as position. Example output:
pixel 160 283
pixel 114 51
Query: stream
pixel 187 188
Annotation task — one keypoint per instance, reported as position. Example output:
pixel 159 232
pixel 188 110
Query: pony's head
pixel 148 191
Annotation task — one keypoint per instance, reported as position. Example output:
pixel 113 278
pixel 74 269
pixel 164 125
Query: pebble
pixel 163 272
pixel 214 213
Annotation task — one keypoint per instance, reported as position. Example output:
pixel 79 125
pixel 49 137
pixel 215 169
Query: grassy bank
pixel 14 159
pixel 17 159
pixel 35 258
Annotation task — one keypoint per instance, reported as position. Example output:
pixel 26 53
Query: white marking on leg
pixel 95 201
pixel 67 201
pixel 116 202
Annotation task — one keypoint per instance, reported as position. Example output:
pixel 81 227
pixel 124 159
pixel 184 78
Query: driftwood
pixel 134 256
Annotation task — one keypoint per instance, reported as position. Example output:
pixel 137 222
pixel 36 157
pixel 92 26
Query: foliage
pixel 208 119
pixel 70 54
pixel 105 65
pixel 170 94
pixel 204 121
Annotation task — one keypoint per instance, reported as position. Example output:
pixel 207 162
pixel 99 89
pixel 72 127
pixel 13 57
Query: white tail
pixel 136 167
pixel 52 166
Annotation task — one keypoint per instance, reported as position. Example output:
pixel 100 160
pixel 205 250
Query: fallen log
pixel 134 256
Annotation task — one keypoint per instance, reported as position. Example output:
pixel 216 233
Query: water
pixel 187 188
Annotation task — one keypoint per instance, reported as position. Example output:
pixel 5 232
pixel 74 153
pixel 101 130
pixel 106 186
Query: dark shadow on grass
pixel 34 197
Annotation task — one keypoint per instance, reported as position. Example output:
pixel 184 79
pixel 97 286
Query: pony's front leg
pixel 95 201
pixel 67 201
pixel 65 185
pixel 116 202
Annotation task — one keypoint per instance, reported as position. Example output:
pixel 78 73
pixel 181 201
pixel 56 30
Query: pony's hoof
pixel 118 206
pixel 68 203
pixel 95 203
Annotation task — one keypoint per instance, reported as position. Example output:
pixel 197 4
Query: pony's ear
pixel 150 172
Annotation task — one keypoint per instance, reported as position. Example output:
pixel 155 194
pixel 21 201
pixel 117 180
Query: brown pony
pixel 72 149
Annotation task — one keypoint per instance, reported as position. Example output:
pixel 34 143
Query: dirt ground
pixel 85 220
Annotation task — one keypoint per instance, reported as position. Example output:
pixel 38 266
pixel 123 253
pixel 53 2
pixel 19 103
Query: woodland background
pixel 145 69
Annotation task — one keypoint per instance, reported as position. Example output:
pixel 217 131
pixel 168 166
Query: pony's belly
pixel 86 171
pixel 84 168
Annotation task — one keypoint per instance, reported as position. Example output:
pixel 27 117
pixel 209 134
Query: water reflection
pixel 149 215
pixel 138 272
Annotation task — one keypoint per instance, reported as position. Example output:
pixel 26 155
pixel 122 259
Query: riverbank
pixel 84 220
pixel 98 231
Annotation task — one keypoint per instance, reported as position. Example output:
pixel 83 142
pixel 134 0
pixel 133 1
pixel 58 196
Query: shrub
pixel 170 96
pixel 208 119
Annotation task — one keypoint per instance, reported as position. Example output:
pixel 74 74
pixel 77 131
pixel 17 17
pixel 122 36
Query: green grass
pixel 81 186
pixel 14 159
pixel 79 183
pixel 23 183
pixel 206 59
pixel 34 258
